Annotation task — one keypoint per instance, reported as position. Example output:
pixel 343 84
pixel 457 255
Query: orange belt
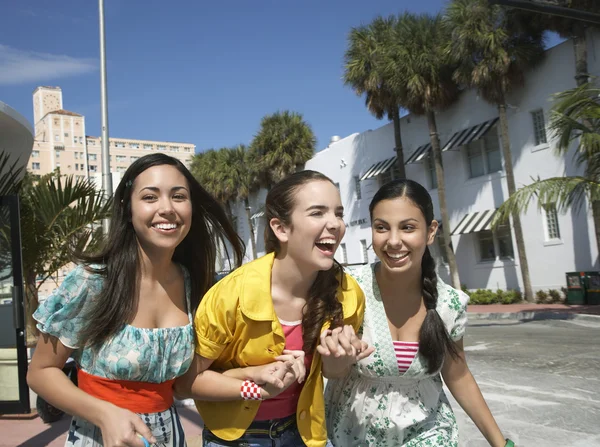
pixel 139 397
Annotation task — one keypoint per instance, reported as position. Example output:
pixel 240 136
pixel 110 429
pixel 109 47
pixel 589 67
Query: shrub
pixel 511 297
pixel 463 287
pixel 555 296
pixel 541 297
pixel 483 296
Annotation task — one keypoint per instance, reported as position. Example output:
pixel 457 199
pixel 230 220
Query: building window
pixel 132 158
pixel 77 166
pixel 76 155
pixel 93 168
pixel 56 137
pixel 91 142
pixel 539 127
pixel 344 254
pixel 121 158
pixel 431 172
pixel 389 175
pixel 188 149
pixel 92 157
pixel 121 168
pixel 495 244
pixel 35 166
pixel 134 145
pixel 552 228
pixel 119 144
pixel 148 146
pixel 57 152
pixel 35 154
pixel 66 134
pixel 357 187
pixel 161 147
pixel 484 156
pixel 174 148
pixel 365 253
pixel 80 140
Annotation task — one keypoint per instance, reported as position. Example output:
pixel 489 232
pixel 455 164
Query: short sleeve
pixel 62 314
pixel 215 321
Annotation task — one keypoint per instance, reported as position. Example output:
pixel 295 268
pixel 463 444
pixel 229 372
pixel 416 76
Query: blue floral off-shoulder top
pixel 145 355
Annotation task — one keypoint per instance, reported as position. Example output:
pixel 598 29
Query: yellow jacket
pixel 236 325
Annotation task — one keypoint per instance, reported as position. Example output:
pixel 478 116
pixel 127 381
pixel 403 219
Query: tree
pixel 493 53
pixel 421 68
pixel 239 180
pixel 206 167
pixel 575 117
pixel 60 216
pixel 367 58
pixel 567 28
pixel 284 143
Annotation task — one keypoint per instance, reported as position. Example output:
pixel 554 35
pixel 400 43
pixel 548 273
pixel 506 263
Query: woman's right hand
pixel 274 378
pixel 120 428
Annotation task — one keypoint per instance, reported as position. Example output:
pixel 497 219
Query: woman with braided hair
pixel 416 324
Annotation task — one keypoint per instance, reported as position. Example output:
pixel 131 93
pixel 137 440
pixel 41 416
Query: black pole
pixel 569 13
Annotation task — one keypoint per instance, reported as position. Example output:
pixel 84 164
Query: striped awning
pixel 419 154
pixel 466 136
pixel 475 222
pixel 379 168
pixel 258 214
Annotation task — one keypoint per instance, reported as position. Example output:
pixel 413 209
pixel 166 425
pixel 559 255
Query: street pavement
pixel 541 380
pixel 540 375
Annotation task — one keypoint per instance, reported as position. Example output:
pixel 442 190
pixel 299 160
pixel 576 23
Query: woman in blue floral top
pixel 125 314
pixel 416 324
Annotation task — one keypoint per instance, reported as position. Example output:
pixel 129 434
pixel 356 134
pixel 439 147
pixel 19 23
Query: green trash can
pixel 592 287
pixel 576 288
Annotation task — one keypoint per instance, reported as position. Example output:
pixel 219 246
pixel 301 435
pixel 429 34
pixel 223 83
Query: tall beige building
pixel 61 141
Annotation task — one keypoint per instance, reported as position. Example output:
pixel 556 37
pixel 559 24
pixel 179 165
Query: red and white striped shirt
pixel 405 354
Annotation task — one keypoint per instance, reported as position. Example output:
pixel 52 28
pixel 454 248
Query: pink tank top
pixel 285 404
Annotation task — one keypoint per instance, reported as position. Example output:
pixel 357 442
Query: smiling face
pixel 400 234
pixel 316 225
pixel 161 210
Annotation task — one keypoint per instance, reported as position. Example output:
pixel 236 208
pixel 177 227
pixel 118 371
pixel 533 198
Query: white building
pixel 475 182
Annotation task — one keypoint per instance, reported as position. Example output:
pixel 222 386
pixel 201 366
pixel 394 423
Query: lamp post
pixel 106 174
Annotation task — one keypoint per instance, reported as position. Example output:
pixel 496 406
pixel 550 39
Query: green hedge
pixel 486 296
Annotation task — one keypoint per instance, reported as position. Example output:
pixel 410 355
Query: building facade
pixel 475 182
pixel 61 142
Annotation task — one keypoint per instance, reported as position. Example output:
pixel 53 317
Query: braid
pixel 434 338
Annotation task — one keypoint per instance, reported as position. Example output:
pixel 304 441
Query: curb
pixel 533 315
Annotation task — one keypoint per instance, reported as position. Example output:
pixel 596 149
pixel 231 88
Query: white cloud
pixel 20 67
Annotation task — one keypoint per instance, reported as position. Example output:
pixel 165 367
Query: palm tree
pixel 206 168
pixel 493 54
pixel 421 68
pixel 58 215
pixel 366 60
pixel 284 143
pixel 566 28
pixel 575 117
pixel 239 180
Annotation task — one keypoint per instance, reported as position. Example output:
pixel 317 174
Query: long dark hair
pixel 322 303
pixel 434 340
pixel 119 261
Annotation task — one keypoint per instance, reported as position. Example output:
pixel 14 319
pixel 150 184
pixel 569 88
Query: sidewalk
pixel 529 311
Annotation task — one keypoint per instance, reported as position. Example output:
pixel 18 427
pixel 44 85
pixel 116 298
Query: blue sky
pixel 202 72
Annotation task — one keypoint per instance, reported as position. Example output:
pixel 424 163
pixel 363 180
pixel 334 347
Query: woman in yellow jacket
pixel 258 328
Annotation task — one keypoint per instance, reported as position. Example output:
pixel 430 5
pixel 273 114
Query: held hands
pixel 340 348
pixel 121 428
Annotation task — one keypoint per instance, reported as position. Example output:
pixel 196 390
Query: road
pixel 541 380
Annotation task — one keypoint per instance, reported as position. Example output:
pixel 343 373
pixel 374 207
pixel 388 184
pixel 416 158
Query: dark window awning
pixel 379 168
pixel 259 213
pixel 419 154
pixel 475 222
pixel 460 138
pixel 466 136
